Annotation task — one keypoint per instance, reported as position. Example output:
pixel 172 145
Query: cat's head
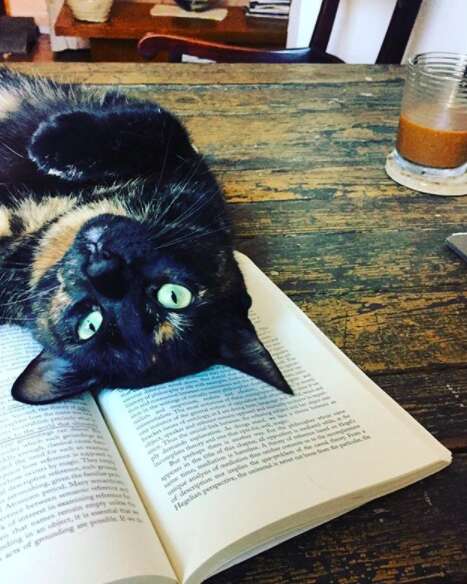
pixel 117 303
pixel 133 284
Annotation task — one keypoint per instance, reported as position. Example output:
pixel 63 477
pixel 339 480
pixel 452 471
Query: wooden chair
pixel 398 32
pixel 177 46
pixel 392 49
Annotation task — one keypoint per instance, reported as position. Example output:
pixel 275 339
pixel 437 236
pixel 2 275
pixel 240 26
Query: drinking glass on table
pixel 433 122
pixel 431 146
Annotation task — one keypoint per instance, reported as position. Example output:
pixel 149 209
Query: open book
pixel 177 482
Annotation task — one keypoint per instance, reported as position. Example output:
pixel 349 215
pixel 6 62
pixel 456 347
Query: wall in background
pixel 441 26
pixel 361 24
pixel 35 8
pixel 359 29
pixel 302 18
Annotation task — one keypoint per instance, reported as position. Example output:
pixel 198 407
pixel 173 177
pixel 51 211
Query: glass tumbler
pixel 433 121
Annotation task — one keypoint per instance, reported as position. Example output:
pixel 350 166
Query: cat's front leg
pixel 127 142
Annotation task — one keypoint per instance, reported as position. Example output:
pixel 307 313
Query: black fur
pixel 120 183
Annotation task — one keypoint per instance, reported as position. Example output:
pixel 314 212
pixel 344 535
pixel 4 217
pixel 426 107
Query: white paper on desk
pixel 176 12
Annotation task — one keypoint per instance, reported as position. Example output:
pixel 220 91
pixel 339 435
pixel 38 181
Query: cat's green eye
pixel 174 296
pixel 89 325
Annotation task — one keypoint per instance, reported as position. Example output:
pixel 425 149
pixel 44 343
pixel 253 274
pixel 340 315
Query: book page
pixel 68 509
pixel 227 464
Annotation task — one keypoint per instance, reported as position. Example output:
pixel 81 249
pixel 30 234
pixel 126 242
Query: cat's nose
pixel 105 270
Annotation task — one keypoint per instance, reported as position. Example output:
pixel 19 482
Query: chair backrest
pixel 177 46
pixel 324 24
pixel 395 40
pixel 399 29
pixel 392 49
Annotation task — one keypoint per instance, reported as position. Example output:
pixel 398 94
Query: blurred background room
pixel 355 32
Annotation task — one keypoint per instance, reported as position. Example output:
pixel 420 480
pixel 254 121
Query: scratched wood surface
pixel 300 152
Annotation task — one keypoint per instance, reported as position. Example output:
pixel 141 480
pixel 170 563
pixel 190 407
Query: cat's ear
pixel 241 349
pixel 123 142
pixel 49 378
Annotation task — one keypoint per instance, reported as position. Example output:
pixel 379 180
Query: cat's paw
pixel 110 144
pixel 66 146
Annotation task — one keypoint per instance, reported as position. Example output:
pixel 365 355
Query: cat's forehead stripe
pixel 61 235
pixel 35 214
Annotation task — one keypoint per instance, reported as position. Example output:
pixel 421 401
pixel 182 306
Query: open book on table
pixel 175 483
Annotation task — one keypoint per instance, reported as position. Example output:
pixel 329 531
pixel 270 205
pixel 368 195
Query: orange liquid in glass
pixel 441 144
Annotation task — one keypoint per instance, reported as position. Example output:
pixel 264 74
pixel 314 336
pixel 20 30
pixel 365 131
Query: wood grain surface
pixel 300 151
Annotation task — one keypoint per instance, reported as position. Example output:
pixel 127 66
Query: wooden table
pixel 116 39
pixel 300 150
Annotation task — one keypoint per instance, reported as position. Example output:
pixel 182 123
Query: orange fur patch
pixel 34 214
pixel 5 229
pixel 166 332
pixel 60 301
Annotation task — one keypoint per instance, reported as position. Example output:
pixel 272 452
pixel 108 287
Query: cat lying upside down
pixel 115 247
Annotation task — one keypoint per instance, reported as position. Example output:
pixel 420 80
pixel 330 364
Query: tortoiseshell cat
pixel 115 247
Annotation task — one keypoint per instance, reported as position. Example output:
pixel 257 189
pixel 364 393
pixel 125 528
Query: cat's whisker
pixel 164 164
pixel 189 237
pixel 189 212
pixel 192 174
pixel 21 298
pixel 161 216
pixel 178 189
pixel 17 267
pixel 15 320
pixel 187 217
pixel 11 150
